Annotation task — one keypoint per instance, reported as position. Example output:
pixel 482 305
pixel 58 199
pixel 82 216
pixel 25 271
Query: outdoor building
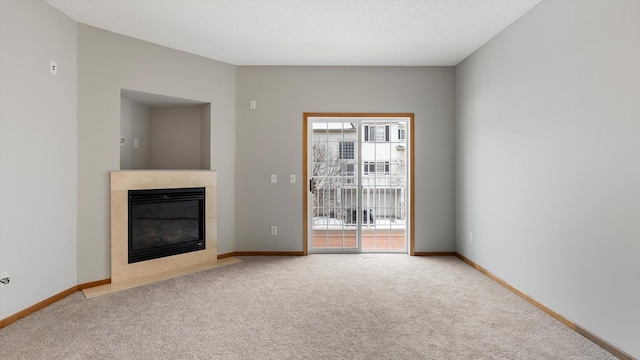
pixel 380 165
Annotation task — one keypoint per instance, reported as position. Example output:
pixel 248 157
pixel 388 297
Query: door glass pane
pixel 383 185
pixel 334 161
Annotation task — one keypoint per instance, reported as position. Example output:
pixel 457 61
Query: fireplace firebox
pixel 165 222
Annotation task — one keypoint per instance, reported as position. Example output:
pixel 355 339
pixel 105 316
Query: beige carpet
pixel 315 307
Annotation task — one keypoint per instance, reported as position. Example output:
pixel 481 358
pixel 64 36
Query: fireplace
pixel 122 182
pixel 165 222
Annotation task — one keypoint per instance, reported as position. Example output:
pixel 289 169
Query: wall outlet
pixel 135 143
pixel 53 67
pixel 292 178
pixel 5 279
pixel 121 140
pixel 252 104
pixel 274 230
pixel 470 236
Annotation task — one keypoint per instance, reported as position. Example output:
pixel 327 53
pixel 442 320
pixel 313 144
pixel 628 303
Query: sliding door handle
pixel 312 184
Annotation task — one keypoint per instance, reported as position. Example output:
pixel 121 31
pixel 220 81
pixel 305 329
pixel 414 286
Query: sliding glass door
pixel 357 177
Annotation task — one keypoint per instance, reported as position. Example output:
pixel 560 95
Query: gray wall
pixel 205 137
pixel 270 141
pixel 548 176
pixel 108 62
pixel 38 153
pixel 175 137
pixel 134 124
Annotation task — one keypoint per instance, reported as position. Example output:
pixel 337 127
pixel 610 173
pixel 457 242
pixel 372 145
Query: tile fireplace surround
pixel 121 182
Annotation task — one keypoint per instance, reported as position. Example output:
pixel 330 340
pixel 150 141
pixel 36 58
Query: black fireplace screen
pixel 164 222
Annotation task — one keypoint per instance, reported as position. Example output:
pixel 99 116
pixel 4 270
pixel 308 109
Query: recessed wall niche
pixel 159 132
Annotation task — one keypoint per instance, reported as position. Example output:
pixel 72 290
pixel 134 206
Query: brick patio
pixel 372 240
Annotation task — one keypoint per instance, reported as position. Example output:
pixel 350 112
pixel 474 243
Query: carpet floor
pixel 315 307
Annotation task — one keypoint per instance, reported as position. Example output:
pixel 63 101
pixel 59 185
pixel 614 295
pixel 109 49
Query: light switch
pixel 274 178
pixel 292 178
pixel 135 143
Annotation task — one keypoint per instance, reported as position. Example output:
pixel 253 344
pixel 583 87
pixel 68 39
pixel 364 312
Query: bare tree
pixel 326 168
pixel 399 178
pixel 325 160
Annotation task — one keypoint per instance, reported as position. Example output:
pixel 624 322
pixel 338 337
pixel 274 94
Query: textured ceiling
pixel 308 32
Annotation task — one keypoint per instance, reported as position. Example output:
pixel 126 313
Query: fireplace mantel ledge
pixel 161 179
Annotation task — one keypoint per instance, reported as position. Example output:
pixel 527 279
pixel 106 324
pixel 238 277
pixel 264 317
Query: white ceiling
pixel 308 32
